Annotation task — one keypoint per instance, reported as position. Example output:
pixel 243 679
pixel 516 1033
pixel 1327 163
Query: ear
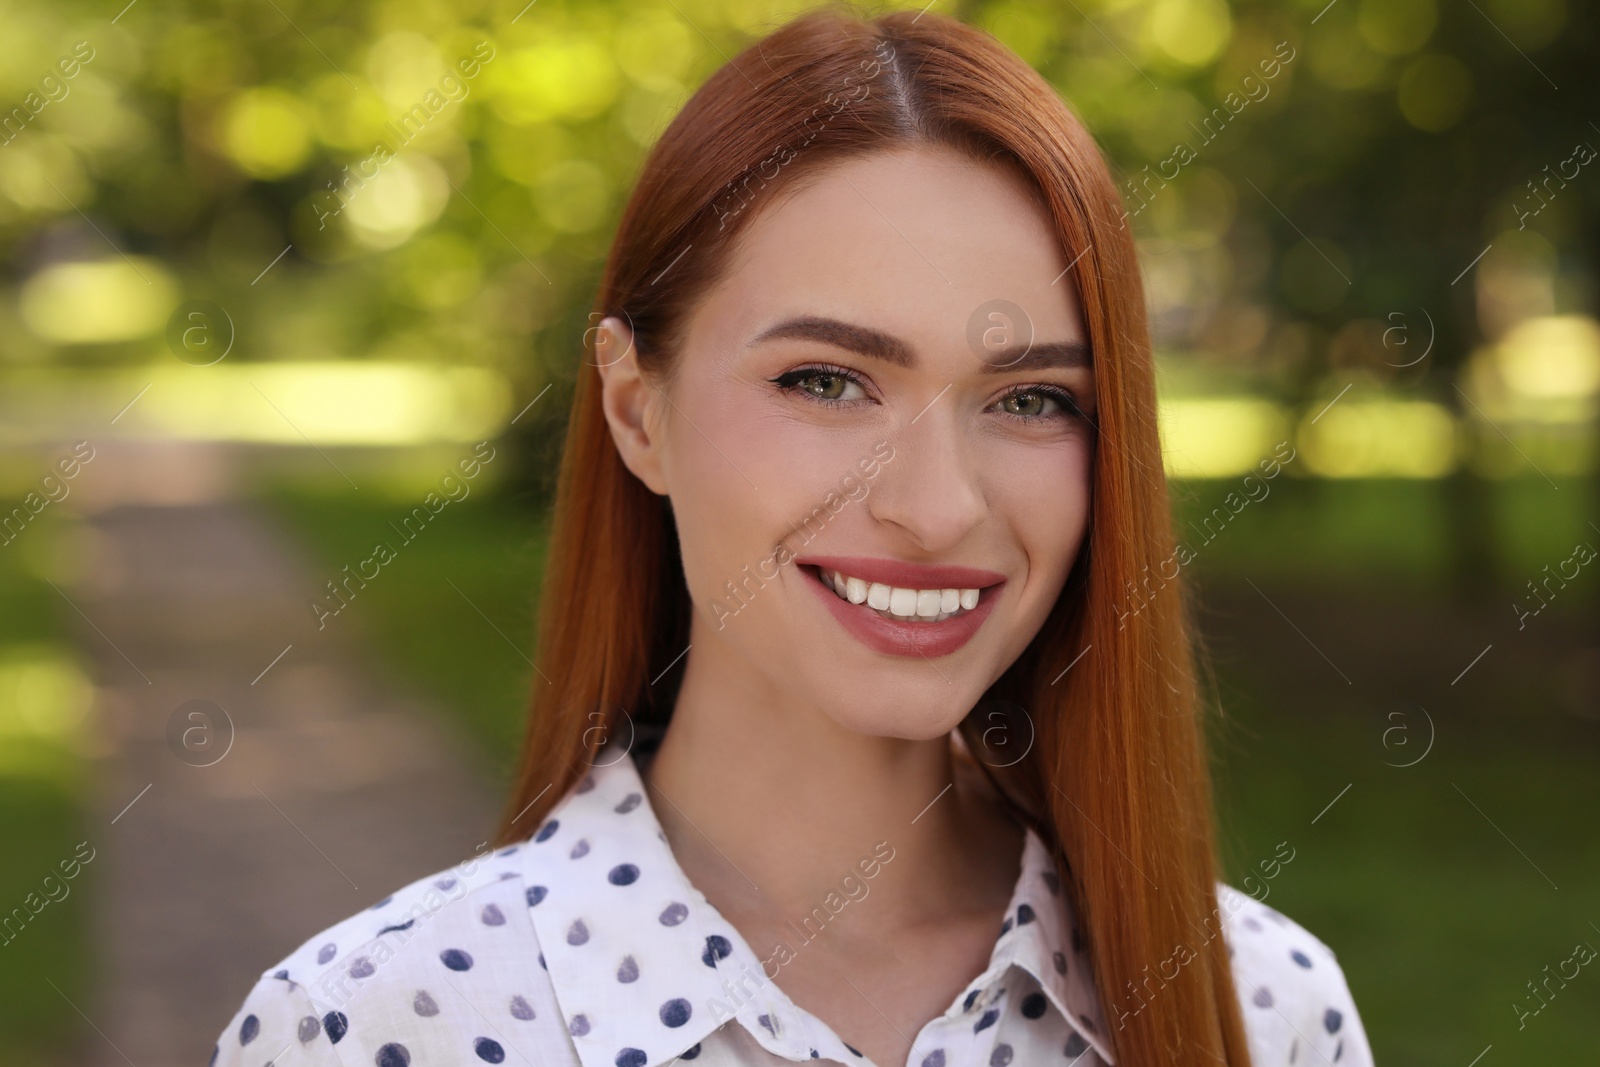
pixel 631 402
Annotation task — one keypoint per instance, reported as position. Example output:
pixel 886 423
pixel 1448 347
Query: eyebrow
pixel 876 344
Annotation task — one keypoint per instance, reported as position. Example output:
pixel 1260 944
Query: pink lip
pixel 924 639
pixel 905 575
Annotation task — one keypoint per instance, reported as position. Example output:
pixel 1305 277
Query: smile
pixel 904 609
pixel 898 602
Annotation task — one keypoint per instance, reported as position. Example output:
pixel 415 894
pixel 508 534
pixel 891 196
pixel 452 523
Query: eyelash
pixel 789 382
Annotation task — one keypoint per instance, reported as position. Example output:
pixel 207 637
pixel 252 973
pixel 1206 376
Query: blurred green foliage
pixel 1345 161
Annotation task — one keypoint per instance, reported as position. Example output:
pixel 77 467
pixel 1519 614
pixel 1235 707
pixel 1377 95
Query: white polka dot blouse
pixel 586 946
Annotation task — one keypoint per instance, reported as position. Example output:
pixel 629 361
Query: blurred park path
pixel 227 832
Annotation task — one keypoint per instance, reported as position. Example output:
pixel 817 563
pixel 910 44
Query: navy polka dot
pixel 717 948
pixel 676 1011
pixel 382 902
pixel 658 968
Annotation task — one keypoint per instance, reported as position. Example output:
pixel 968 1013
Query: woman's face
pixel 859 398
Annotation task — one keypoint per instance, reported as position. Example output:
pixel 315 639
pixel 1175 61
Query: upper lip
pixel 903 575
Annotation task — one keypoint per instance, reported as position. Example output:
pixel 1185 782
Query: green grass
pixel 453 612
pixel 1438 920
pixel 42 815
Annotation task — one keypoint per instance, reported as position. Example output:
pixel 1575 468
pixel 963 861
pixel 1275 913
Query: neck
pixel 769 807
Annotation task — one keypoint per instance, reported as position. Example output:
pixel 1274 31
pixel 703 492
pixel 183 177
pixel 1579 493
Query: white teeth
pixel 924 605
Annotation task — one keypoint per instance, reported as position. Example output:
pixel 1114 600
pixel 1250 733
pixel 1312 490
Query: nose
pixel 932 489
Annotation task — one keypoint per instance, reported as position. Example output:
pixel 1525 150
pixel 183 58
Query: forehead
pixel 914 242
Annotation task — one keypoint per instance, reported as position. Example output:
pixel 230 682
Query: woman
pixel 849 660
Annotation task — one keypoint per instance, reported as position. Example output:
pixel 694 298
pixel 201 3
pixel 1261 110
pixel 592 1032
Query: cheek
pixel 744 475
pixel 1041 492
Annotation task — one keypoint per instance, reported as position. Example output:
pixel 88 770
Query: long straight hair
pixel 1116 777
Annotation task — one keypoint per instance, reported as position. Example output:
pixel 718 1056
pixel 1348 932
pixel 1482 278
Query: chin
pixel 902 716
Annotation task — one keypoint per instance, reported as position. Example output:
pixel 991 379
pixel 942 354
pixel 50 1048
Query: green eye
pixel 1028 405
pixel 1039 403
pixel 822 384
pixel 825 386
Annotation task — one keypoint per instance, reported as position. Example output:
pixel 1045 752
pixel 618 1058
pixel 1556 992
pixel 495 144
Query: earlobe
pixel 630 402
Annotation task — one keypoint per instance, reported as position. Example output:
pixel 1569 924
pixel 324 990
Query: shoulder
pixel 386 983
pixel 1291 989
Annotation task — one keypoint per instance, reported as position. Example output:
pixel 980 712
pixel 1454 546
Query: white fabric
pixel 586 946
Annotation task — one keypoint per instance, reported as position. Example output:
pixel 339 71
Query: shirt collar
pixel 644 968
pixel 1041 936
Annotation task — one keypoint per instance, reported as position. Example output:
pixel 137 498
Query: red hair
pixel 1116 780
